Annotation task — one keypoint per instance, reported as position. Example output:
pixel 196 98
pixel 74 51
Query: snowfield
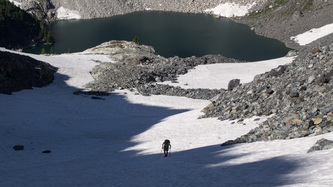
pixel 217 76
pixel 117 141
pixel 230 9
pixel 313 34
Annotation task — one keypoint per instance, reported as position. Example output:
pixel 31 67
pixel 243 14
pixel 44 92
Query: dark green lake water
pixel 171 34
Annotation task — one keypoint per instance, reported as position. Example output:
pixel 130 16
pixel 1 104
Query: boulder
pixel 316 50
pixel 277 71
pixel 233 84
pixel 18 147
pixel 322 144
pixel 47 151
pixel 18 72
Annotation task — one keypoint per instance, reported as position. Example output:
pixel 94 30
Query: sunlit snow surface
pixel 230 9
pixel 216 76
pixel 313 34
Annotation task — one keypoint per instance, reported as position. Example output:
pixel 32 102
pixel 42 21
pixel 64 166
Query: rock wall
pixel 42 9
pixel 105 8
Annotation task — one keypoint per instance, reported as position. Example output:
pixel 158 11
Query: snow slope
pixel 117 141
pixel 216 76
pixel 313 34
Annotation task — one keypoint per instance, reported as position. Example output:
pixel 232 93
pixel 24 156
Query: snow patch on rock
pixel 66 14
pixel 313 34
pixel 230 9
pixel 18 4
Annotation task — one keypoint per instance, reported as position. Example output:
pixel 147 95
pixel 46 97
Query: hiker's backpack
pixel 166 142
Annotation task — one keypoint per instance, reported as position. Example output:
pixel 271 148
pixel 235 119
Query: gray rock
pixel 311 79
pixel 47 151
pixel 294 94
pixel 18 147
pixel 19 72
pixel 233 84
pixel 277 71
pixel 322 144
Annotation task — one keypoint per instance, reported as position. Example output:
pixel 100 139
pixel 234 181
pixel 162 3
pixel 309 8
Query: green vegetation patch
pixel 308 5
pixel 268 8
pixel 279 3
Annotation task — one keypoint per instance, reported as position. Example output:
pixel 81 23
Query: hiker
pixel 166 146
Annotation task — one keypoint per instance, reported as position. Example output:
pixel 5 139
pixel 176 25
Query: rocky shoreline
pixel 270 18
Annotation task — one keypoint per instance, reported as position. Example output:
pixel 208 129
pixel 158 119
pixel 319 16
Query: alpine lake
pixel 170 33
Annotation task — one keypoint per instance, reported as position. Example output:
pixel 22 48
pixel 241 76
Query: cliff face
pixel 101 8
pixel 87 9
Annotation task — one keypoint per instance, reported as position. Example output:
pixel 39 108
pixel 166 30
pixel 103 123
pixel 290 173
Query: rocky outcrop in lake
pixel 139 67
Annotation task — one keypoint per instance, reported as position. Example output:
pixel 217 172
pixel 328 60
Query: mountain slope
pixel 17 28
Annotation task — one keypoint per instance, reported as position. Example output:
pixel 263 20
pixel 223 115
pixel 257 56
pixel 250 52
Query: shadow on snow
pixel 88 139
